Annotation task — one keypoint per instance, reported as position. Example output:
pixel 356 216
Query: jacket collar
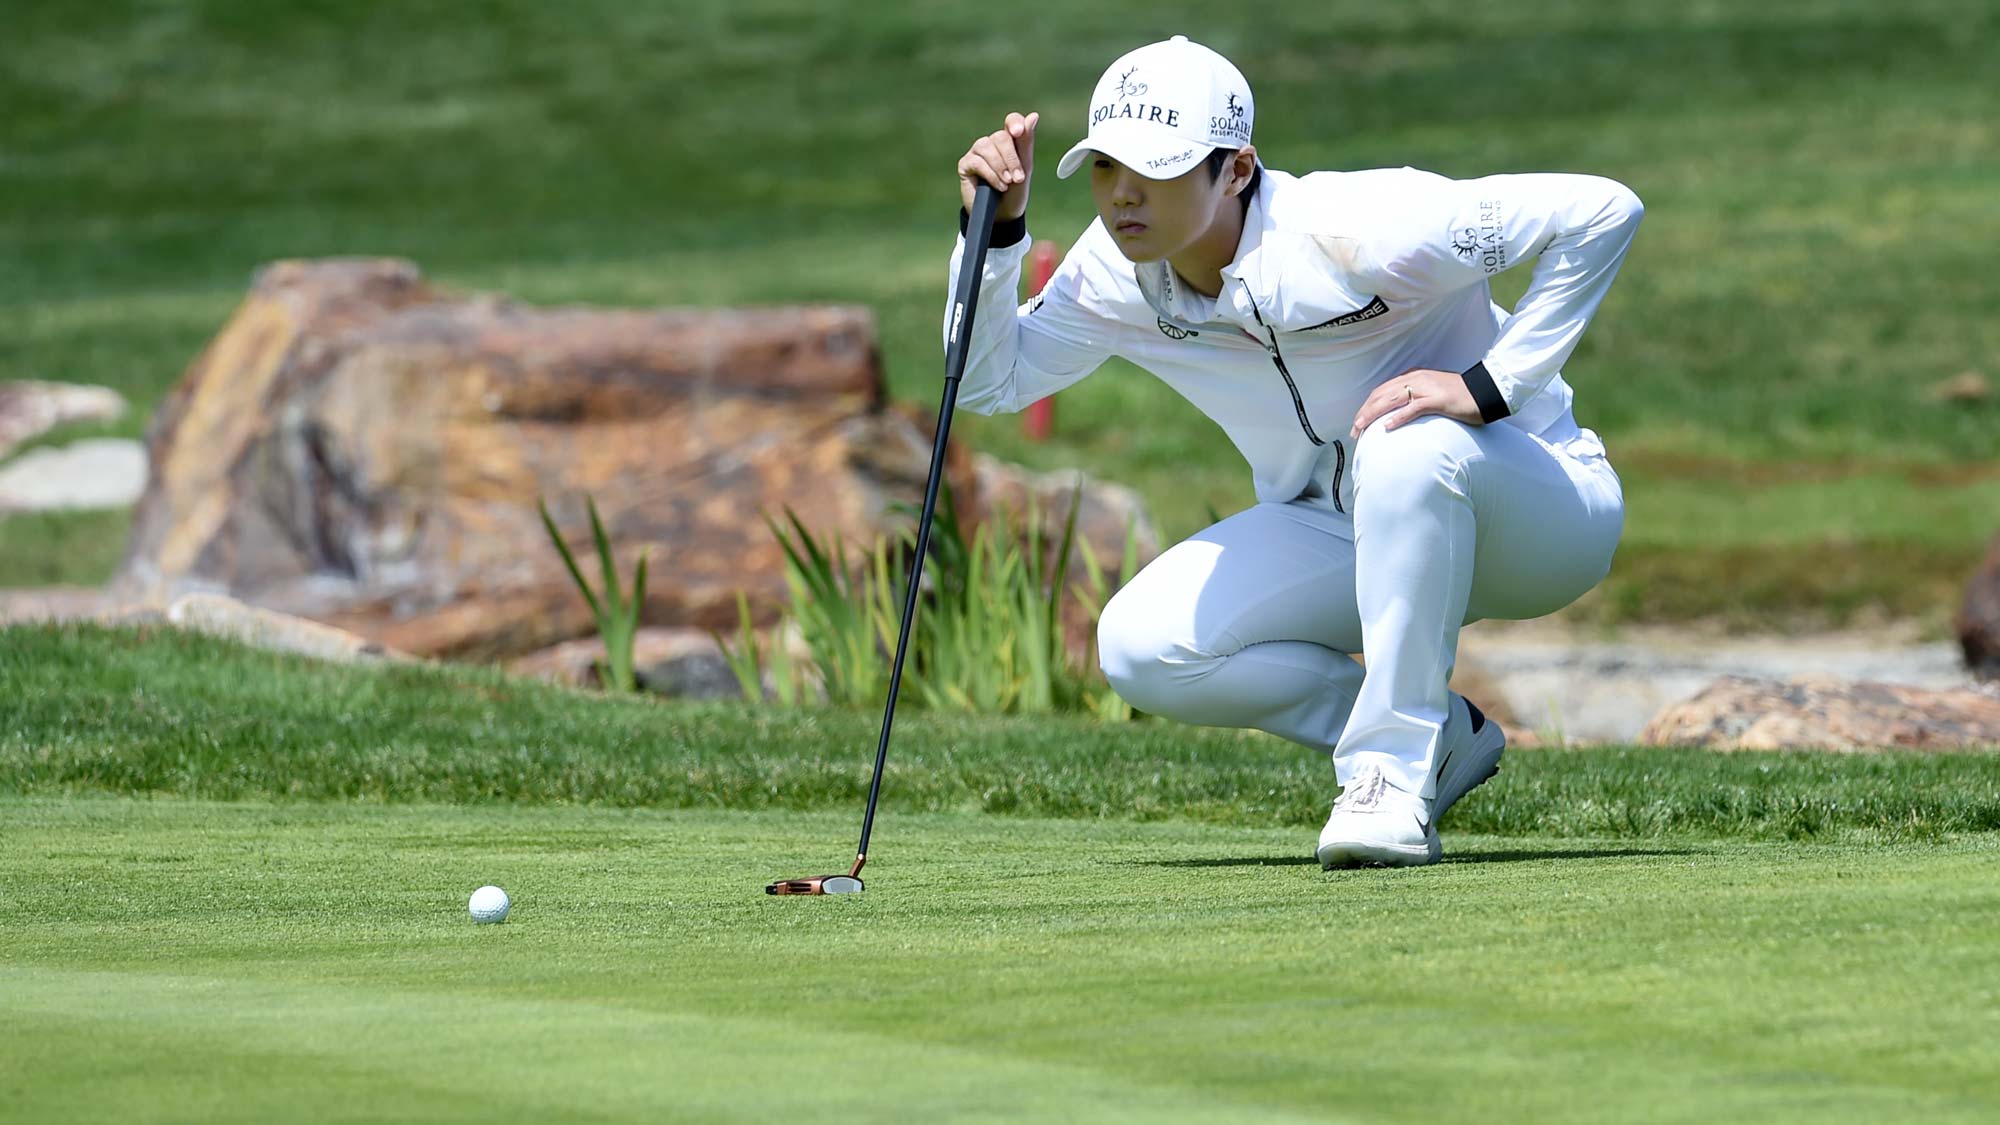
pixel 1256 220
pixel 1245 271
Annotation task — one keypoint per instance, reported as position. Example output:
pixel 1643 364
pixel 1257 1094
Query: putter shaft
pixel 965 297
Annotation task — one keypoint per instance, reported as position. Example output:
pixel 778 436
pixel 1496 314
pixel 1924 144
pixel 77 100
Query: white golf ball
pixel 489 904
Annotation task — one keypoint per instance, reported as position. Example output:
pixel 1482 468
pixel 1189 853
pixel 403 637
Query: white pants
pixel 1250 622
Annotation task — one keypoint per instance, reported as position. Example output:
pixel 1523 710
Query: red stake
pixel 1040 417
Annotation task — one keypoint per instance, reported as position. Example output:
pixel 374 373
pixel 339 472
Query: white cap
pixel 1162 108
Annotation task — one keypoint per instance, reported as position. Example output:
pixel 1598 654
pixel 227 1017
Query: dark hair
pixel 1218 159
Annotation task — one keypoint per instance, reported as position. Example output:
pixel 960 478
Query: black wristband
pixel 1006 232
pixel 1492 406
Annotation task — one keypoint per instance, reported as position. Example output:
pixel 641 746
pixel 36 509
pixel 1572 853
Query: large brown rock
pixel 1979 619
pixel 361 448
pixel 1741 713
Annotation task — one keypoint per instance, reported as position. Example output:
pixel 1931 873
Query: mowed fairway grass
pixel 1065 921
pixel 1815 258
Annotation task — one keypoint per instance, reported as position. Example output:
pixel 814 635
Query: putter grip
pixel 965 291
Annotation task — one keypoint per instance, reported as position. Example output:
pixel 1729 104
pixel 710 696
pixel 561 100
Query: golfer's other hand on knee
pixel 1415 393
pixel 1004 158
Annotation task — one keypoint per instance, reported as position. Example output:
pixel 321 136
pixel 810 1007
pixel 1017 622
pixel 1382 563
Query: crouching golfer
pixel 1415 459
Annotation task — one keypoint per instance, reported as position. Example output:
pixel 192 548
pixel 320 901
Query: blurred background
pixel 1795 373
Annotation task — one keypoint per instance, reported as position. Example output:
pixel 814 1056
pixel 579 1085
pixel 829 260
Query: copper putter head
pixel 848 884
pixel 817 885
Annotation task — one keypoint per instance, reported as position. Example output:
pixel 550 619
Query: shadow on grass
pixel 1466 857
pixel 1233 861
pixel 1570 853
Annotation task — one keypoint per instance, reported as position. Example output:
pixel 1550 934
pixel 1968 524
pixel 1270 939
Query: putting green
pixel 168 960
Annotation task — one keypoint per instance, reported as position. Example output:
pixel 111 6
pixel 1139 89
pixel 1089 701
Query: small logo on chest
pixel 1173 331
pixel 1369 311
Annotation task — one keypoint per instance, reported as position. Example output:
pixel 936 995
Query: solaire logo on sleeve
pixel 1483 242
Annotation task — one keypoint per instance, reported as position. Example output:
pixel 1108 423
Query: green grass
pixel 1818 175
pixel 232 887
pixel 189 961
pixel 62 548
pixel 138 711
pixel 1796 544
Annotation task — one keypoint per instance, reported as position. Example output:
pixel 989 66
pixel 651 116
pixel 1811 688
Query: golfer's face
pixel 1152 219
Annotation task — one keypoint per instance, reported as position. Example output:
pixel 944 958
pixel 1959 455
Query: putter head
pixel 817 885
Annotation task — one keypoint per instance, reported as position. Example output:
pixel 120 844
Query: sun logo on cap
pixel 1128 88
pixel 1235 108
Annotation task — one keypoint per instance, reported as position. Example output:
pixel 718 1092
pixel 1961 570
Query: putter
pixel 965 294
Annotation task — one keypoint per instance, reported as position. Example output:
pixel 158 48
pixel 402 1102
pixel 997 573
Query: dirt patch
pixel 1569 684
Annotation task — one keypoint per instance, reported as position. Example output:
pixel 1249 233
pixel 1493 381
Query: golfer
pixel 1415 460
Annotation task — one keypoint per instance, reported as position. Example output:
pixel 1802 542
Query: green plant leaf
pixel 613 599
pixel 1128 566
pixel 1055 586
pixel 569 560
pixel 744 661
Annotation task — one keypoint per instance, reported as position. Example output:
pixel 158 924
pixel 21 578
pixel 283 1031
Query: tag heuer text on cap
pixel 1161 109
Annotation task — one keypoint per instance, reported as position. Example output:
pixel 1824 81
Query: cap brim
pixel 1146 149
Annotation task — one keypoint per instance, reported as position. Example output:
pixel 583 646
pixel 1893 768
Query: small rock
pixel 53 603
pixel 1979 618
pixel 1963 389
pixel 103 473
pixel 1740 713
pixel 694 675
pixel 218 616
pixel 28 408
pixel 684 663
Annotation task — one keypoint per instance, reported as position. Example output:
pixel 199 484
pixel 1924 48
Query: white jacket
pixel 1342 281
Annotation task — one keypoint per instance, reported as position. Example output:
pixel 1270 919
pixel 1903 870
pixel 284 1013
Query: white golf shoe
pixel 1375 823
pixel 1471 753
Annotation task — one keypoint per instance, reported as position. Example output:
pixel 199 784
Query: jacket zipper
pixel 1299 404
pixel 1278 360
